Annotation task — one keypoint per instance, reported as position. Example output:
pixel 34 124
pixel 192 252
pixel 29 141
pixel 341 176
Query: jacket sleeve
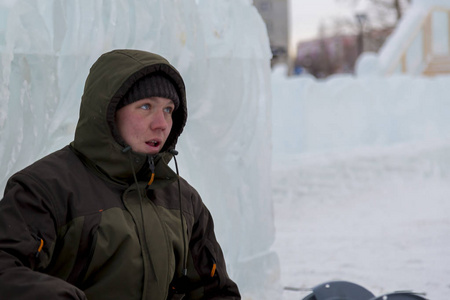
pixel 27 233
pixel 206 258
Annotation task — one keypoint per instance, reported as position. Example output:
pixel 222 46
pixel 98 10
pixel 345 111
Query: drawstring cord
pixel 174 153
pixel 152 169
pixel 125 150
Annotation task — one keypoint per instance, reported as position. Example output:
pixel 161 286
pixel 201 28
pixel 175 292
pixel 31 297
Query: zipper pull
pixel 41 245
pixel 213 270
pixel 151 165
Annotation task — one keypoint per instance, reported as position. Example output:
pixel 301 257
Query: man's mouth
pixel 153 143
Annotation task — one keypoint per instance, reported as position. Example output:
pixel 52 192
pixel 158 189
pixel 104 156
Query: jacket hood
pixel 109 79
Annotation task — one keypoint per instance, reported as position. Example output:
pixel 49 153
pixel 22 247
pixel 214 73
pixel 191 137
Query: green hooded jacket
pixel 83 223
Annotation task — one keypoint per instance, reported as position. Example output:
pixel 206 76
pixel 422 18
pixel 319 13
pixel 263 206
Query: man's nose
pixel 159 121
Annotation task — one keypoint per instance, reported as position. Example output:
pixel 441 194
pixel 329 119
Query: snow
pixel 354 186
pixel 360 173
pixel 377 217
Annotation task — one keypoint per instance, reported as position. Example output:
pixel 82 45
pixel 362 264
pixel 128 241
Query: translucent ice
pixel 220 47
pixel 347 112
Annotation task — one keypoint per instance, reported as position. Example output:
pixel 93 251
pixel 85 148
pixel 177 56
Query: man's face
pixel 145 124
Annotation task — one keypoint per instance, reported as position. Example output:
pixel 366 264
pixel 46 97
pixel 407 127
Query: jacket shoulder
pixel 51 165
pixel 63 183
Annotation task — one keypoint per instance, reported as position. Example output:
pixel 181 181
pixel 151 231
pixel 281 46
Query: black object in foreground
pixel 344 290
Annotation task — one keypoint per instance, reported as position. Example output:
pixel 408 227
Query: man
pixel 105 217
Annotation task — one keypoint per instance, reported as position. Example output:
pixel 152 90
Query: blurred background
pixel 326 37
pixel 360 135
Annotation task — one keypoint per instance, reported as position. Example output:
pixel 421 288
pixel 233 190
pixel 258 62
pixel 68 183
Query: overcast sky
pixel 306 16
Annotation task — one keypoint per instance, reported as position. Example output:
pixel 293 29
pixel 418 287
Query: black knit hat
pixel 153 85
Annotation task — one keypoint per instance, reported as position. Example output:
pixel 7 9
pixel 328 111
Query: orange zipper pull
pixel 40 248
pixel 151 179
pixel 213 270
pixel 151 165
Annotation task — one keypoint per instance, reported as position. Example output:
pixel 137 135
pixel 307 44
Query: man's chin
pixel 147 151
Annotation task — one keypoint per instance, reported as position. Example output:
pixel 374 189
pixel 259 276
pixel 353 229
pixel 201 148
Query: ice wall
pixel 220 47
pixel 346 112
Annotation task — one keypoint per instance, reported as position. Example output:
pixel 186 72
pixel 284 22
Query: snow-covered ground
pixel 377 217
pixel 360 174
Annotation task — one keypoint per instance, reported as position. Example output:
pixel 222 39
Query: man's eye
pixel 145 106
pixel 168 110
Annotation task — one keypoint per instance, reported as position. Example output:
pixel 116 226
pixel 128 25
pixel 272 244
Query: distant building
pixel 276 16
pixel 335 54
pixel 326 56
